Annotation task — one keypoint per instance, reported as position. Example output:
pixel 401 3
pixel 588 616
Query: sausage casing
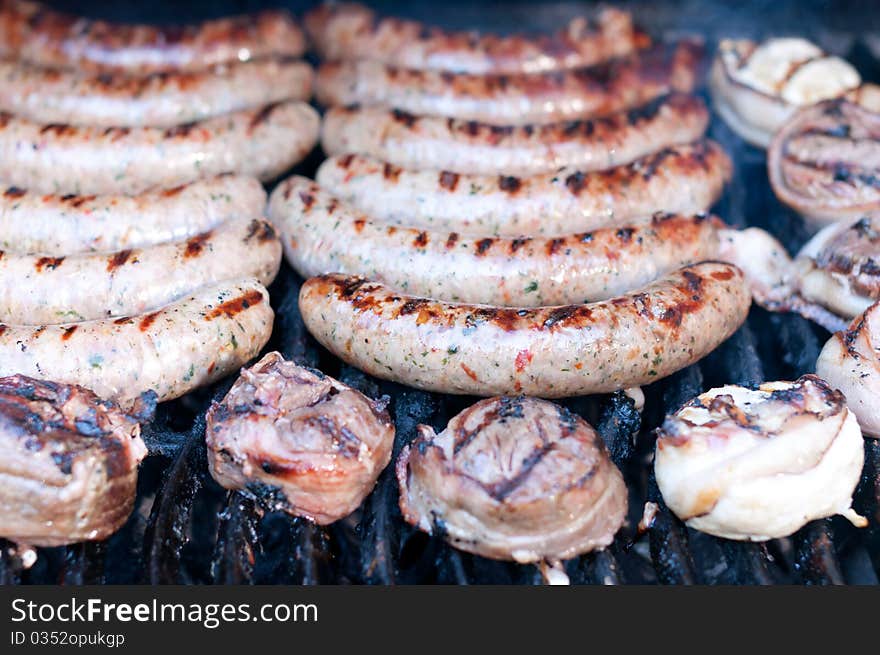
pixel 514 99
pixel 56 158
pixel 68 224
pixel 171 351
pixel 552 352
pixel 52 290
pixel 429 142
pixel 352 31
pixel 46 95
pixel 32 32
pixel 681 180
pixel 323 235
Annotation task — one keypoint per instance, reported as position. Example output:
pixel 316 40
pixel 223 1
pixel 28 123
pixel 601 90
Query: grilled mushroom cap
pixel 755 464
pixel 69 467
pixel 850 361
pixel 513 478
pixel 298 440
pixel 825 162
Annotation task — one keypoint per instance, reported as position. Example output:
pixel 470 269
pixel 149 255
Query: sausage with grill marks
pixel 514 99
pixel 427 142
pixel 323 235
pixel 56 158
pixel 352 31
pixel 32 32
pixel 51 290
pixel 55 224
pixel 682 180
pixel 553 352
pixel 171 351
pixel 158 100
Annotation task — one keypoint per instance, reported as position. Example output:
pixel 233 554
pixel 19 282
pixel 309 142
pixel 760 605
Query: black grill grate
pixel 185 529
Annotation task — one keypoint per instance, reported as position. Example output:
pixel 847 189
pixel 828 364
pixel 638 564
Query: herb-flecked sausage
pixel 552 352
pixel 46 95
pixel 324 235
pixel 61 158
pixel 68 224
pixel 50 290
pixel 352 31
pixel 514 99
pixel 33 32
pixel 184 345
pixel 429 142
pixel 682 180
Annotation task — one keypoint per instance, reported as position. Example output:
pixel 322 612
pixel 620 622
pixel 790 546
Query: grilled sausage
pixel 56 158
pixel 298 440
pixel 756 87
pixel 681 180
pixel 69 466
pixel 322 235
pixel 427 142
pixel 513 478
pixel 70 224
pixel 352 31
pixel 52 290
pixel 756 464
pixel 32 32
pixel 553 352
pixel 514 99
pixel 159 100
pixel 825 162
pixel 187 344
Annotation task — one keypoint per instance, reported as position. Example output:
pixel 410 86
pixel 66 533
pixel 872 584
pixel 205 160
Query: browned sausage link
pixel 352 31
pixel 32 32
pixel 476 148
pixel 680 179
pixel 323 235
pixel 49 95
pixel 60 158
pixel 515 99
pixel 553 352
pixel 825 162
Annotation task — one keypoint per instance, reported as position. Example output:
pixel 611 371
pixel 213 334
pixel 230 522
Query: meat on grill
pixel 825 162
pixel 515 99
pixel 684 179
pixel 513 478
pixel 469 147
pixel 352 31
pixel 298 440
pixel 757 87
pixel 69 466
pixel 755 464
pixel 850 361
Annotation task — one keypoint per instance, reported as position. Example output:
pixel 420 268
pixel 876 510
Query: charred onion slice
pixel 513 478
pixel 757 87
pixel 300 441
pixel 825 162
pixel 851 362
pixel 756 464
pixel 69 467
